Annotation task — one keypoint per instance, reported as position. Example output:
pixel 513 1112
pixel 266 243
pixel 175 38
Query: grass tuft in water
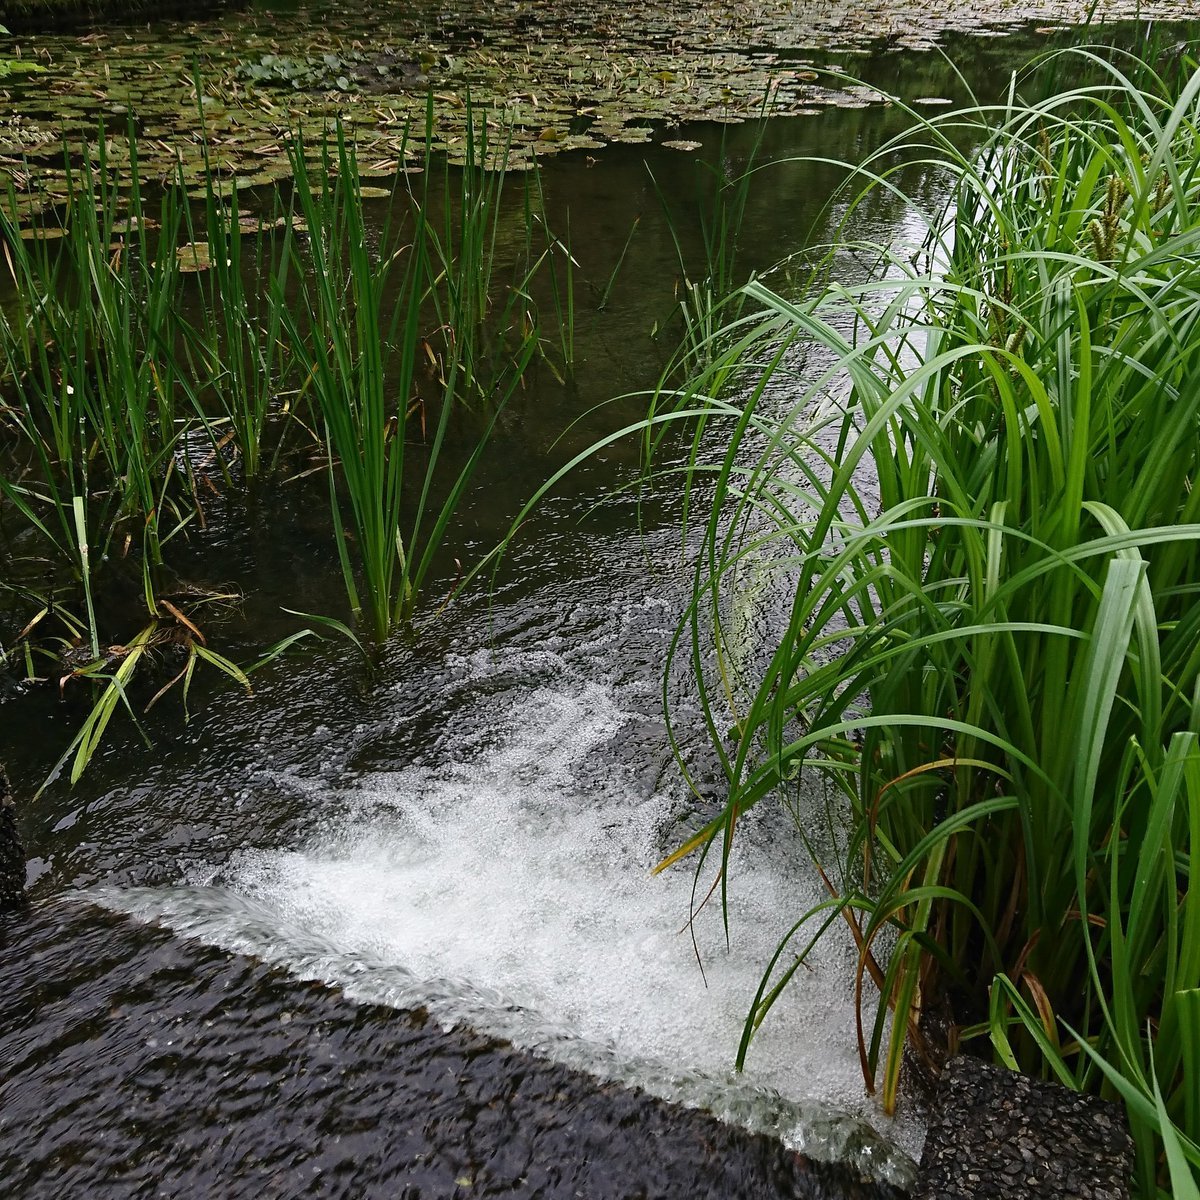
pixel 157 354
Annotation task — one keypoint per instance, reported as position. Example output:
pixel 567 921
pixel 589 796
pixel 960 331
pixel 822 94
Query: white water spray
pixel 508 886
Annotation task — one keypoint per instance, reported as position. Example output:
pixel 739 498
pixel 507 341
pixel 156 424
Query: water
pixel 468 833
pixel 501 878
pixel 155 1066
pixel 473 837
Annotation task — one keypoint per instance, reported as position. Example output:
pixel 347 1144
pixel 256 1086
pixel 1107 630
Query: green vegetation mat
pixel 977 504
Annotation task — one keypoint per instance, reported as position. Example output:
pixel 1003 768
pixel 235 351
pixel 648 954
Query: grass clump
pixel 984 505
pixel 425 336
pixel 709 292
pixel 157 355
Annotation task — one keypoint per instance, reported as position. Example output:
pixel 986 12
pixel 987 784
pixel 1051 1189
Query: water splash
pixel 504 882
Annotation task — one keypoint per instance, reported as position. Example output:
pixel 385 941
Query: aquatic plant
pixel 563 86
pixel 152 359
pixel 88 366
pixel 709 292
pixel 461 235
pixel 327 71
pixel 981 505
pixel 241 374
pixel 17 66
pixel 368 336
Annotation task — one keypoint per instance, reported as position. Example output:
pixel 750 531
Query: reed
pixel 460 236
pixel 360 390
pixel 372 321
pixel 709 292
pixel 91 377
pixel 241 373
pixel 490 259
pixel 981 501
pixel 152 345
pixel 558 263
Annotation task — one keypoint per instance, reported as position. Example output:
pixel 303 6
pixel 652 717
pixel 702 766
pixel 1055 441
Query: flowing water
pixel 465 834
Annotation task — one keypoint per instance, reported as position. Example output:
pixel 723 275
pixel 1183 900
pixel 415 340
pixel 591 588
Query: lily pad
pixel 194 258
pixel 134 224
pixel 561 77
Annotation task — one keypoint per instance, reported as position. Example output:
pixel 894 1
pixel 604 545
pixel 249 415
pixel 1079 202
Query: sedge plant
pixel 100 390
pixel 980 501
pixel 401 344
pixel 91 377
pixel 154 349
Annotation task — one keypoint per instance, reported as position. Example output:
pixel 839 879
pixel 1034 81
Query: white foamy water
pixel 507 885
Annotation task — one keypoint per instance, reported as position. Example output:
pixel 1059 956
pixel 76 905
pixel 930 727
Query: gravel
pixel 1006 1136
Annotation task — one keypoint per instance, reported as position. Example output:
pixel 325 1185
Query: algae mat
pixel 549 76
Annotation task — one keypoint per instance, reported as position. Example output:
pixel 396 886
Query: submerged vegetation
pixel 981 498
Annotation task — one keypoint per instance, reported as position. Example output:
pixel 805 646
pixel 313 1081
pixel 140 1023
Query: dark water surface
pixel 248 1083
pixel 461 838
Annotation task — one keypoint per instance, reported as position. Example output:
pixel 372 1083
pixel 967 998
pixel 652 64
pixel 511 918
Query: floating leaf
pixel 194 258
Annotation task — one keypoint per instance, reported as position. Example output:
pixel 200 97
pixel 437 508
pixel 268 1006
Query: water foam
pixel 508 885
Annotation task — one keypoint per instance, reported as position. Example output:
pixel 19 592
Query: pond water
pixel 466 832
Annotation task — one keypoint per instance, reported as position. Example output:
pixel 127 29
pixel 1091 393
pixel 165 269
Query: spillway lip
pixel 220 917
pixel 159 1064
pixel 496 875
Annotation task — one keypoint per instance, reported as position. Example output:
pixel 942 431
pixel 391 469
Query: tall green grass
pixel 982 501
pixel 90 379
pixel 709 292
pixel 158 351
pixel 241 375
pixel 369 327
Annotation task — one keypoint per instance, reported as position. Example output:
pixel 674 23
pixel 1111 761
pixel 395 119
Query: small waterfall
pixel 503 880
